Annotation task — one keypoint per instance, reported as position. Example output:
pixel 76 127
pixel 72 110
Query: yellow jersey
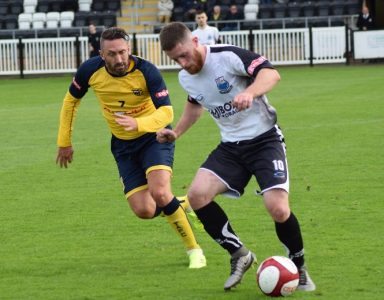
pixel 141 93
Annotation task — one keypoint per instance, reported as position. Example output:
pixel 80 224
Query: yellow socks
pixel 179 221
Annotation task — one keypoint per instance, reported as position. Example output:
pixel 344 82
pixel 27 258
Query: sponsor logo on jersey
pixel 162 93
pixel 255 63
pixel 223 111
pixel 125 111
pixel 199 98
pixel 137 92
pixel 223 85
pixel 75 84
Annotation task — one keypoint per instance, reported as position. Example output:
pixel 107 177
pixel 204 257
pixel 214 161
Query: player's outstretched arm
pixel 191 114
pixel 64 156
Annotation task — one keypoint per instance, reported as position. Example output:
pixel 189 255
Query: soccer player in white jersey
pixel 208 35
pixel 231 84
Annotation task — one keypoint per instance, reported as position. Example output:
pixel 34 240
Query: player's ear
pixel 195 40
pixel 101 54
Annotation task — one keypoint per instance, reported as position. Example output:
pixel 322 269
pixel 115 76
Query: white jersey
pixel 207 36
pixel 227 71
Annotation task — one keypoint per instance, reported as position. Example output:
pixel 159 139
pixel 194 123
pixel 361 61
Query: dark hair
pixel 200 11
pixel 173 34
pixel 114 33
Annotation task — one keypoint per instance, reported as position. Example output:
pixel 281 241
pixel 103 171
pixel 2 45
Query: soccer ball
pixel 277 276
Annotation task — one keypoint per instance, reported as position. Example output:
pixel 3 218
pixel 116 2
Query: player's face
pixel 201 19
pixel 116 56
pixel 187 55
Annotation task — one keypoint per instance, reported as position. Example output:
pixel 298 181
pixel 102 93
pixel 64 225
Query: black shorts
pixel 264 157
pixel 135 158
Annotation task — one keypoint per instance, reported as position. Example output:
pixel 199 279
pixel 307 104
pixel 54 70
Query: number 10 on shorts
pixel 278 165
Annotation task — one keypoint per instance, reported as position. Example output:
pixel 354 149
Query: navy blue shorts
pixel 264 157
pixel 136 158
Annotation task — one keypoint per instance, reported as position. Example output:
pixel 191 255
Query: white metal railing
pixel 42 56
pixel 286 47
pixel 9 63
pixel 280 46
pixel 53 55
pixel 329 45
pixel 148 47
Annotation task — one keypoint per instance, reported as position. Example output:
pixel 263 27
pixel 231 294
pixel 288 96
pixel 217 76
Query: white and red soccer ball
pixel 277 276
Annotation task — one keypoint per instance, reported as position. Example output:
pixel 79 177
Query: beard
pixel 118 69
pixel 197 63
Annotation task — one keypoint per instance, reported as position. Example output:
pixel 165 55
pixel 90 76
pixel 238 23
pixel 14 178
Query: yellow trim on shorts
pixel 158 167
pixel 145 186
pixel 135 190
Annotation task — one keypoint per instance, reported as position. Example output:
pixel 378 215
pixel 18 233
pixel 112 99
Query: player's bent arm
pixel 160 118
pixel 192 112
pixel 67 118
pixel 264 82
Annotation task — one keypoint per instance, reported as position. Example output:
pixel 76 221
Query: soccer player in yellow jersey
pixel 133 91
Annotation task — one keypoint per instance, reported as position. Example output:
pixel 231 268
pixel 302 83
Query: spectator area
pixel 274 13
pixel 50 18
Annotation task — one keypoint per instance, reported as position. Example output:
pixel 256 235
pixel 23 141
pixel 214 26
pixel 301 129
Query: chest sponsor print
pixel 223 111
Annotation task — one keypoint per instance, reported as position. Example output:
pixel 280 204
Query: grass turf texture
pixel 69 234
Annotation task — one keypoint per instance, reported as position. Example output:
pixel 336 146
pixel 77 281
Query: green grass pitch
pixel 69 234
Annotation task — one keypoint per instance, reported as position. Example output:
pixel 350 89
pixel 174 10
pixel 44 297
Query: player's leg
pixel 286 224
pixel 159 186
pixel 157 160
pixel 271 171
pixel 192 217
pixel 143 205
pixel 132 177
pixel 288 231
pixel 213 179
pixel 132 157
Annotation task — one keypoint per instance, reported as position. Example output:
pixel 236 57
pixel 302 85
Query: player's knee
pixel 143 213
pixel 160 196
pixel 277 204
pixel 197 199
pixel 280 213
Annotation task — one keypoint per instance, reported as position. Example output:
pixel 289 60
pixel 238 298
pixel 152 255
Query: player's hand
pixel 166 135
pixel 64 156
pixel 242 101
pixel 129 123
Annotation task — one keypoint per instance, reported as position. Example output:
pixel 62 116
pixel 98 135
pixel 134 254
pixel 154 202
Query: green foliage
pixel 69 234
